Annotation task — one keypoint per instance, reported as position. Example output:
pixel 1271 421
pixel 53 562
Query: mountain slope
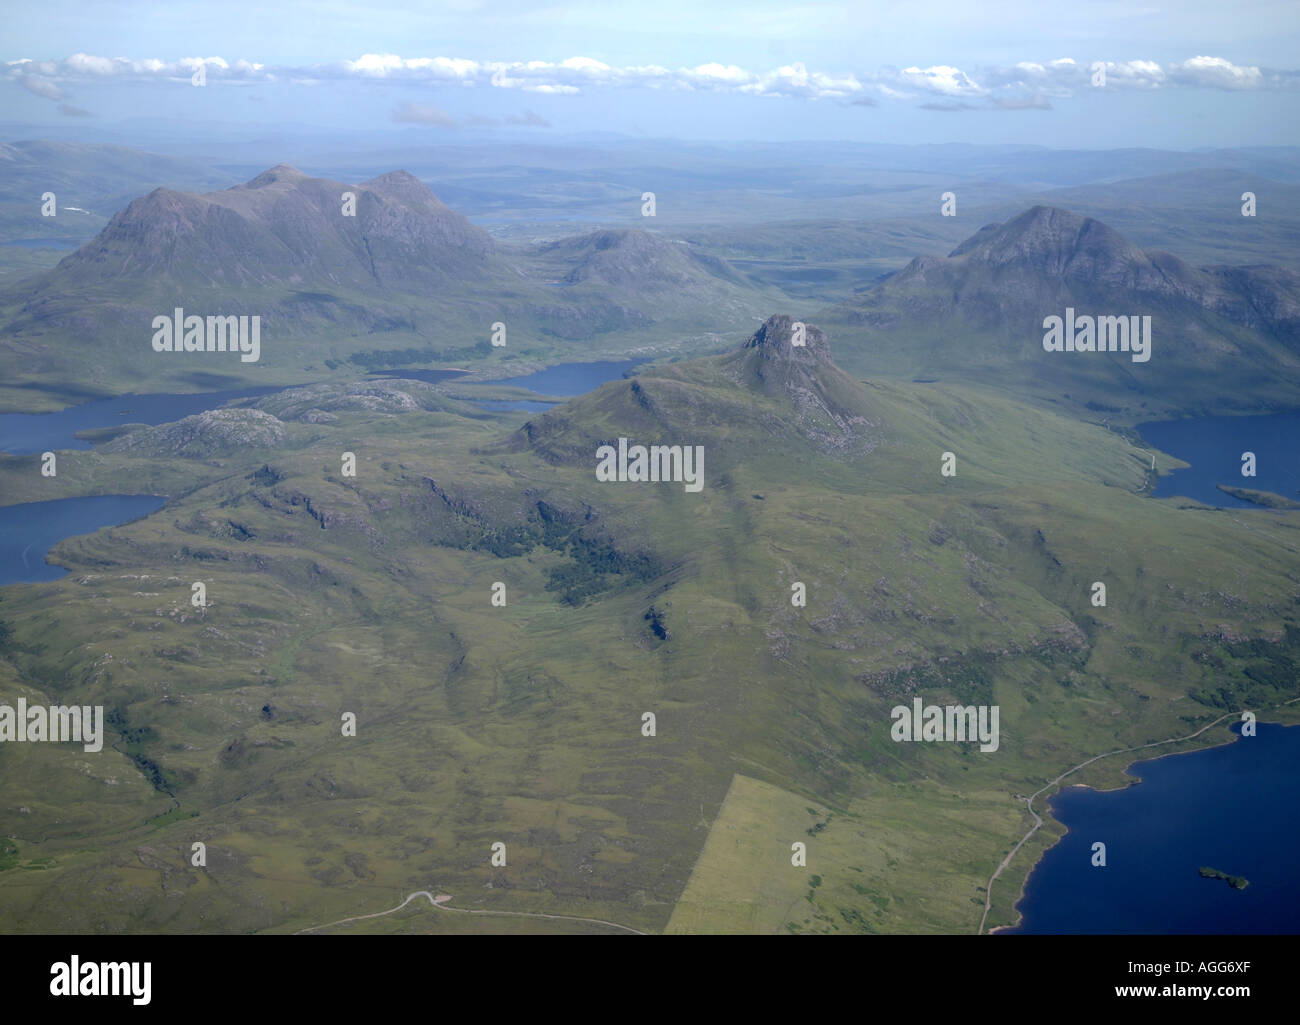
pixel 632 259
pixel 1222 337
pixel 283 227
pixel 326 274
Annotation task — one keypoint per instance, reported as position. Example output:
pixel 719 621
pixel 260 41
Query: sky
pixel 1080 74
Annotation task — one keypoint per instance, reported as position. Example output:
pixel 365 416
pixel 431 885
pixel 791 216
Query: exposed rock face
pixel 774 344
pixel 830 407
pixel 768 392
pixel 214 432
pixel 318 402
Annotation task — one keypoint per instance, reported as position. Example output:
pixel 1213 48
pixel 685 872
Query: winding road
pixel 1029 802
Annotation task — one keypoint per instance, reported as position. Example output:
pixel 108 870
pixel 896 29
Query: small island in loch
pixel 1236 882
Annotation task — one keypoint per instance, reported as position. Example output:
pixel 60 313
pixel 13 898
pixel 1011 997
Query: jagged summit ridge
pixel 830 407
pixel 776 341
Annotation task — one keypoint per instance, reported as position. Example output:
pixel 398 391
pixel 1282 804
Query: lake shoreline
pixel 1222 455
pixel 1049 811
pixel 91 512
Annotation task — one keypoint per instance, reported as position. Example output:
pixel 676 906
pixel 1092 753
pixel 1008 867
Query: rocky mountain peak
pixel 280 173
pixel 1051 240
pixel 775 341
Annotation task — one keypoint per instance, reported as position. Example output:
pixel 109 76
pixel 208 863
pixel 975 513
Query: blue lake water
pixel 573 378
pixel 27 532
pixel 30 530
pixel 1232 808
pixel 1214 445
pixel 25 433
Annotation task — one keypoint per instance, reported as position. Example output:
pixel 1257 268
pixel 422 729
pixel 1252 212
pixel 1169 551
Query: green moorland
pixel 114 358
pixel 522 724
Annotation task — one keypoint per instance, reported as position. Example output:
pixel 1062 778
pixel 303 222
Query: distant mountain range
pixel 328 265
pixel 284 228
pixel 89 183
pixel 1223 337
pixel 383 274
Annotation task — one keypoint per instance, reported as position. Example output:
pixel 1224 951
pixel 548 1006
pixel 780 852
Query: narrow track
pixel 1029 803
pixel 442 906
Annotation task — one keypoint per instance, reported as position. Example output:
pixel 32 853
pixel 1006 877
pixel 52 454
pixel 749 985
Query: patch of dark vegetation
pixel 132 742
pixel 595 563
pixel 265 476
pixel 505 542
pixel 853 917
pixel 967 680
pixel 1250 672
pixel 657 627
pixel 594 560
pixel 360 866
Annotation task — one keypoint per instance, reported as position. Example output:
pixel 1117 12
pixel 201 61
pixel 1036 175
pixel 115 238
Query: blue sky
pixel 1184 74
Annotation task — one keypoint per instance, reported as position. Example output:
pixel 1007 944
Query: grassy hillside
pixel 522 724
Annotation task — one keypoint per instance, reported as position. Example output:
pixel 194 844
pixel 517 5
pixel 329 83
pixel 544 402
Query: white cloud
pixel 1058 77
pixel 585 65
pixel 942 79
pixel 1216 73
